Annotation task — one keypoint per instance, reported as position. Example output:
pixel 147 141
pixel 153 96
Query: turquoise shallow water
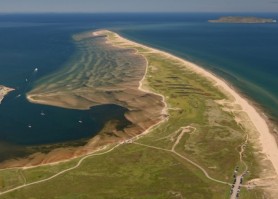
pixel 243 54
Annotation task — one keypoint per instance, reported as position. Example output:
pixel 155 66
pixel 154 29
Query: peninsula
pixel 240 19
pixel 189 132
pixel 4 91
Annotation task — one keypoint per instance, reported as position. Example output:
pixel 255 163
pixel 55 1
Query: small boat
pixel 42 113
pixel 29 126
pixel 80 121
pixel 36 70
pixel 18 95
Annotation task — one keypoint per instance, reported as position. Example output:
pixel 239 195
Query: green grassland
pixel 138 171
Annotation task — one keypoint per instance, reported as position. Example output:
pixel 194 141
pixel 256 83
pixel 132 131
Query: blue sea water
pixel 243 54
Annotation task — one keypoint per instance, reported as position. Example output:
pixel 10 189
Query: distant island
pixel 239 19
pixel 4 91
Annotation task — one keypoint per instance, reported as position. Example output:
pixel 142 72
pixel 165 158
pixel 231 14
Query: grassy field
pixel 143 171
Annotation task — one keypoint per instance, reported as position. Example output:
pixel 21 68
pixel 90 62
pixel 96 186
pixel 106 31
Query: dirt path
pixel 172 150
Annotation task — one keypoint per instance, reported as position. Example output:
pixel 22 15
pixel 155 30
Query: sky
pixel 96 6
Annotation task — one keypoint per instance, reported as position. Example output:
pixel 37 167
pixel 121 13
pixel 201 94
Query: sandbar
pixel 4 91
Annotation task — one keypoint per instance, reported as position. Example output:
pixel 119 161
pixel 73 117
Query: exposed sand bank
pixel 146 109
pixel 4 91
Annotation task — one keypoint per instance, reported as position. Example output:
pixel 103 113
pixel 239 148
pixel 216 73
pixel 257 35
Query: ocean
pixel 245 55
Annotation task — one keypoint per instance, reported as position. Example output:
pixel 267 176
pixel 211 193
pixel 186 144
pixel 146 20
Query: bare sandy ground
pixel 4 91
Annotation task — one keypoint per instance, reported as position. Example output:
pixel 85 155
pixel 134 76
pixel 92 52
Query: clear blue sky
pixel 138 5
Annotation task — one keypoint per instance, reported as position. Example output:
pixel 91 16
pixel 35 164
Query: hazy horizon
pixel 133 6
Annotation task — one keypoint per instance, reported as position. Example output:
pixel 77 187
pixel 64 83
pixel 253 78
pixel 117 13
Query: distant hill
pixel 239 19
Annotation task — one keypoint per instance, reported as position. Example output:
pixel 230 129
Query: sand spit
pixel 254 118
pixel 245 114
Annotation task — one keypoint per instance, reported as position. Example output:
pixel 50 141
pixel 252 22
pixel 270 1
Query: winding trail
pixel 22 175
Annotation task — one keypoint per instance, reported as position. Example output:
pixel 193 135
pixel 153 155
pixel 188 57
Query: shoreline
pixel 270 119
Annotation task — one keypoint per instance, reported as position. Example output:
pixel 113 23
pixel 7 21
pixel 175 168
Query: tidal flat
pixel 99 74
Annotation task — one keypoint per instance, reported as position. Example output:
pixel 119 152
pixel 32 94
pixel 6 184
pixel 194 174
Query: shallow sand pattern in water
pixel 101 74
